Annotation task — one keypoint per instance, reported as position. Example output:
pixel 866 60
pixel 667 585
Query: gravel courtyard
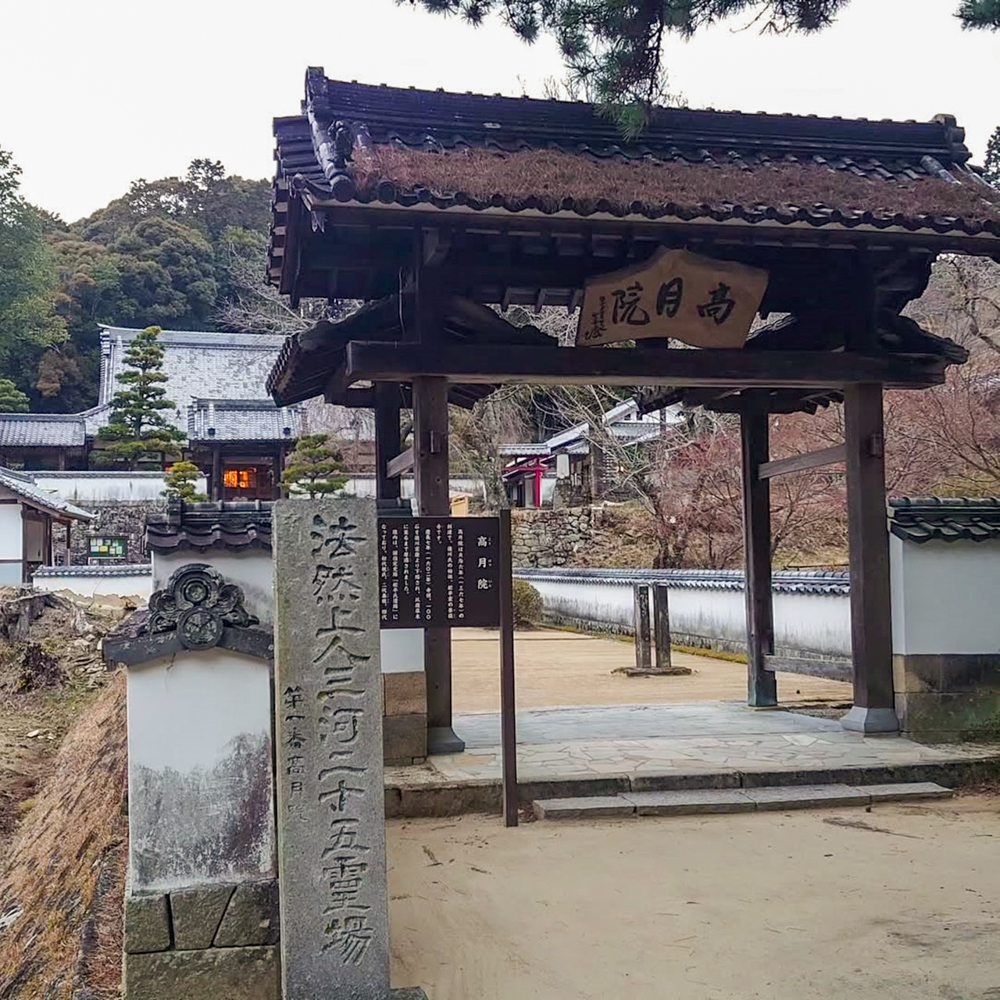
pixel 899 902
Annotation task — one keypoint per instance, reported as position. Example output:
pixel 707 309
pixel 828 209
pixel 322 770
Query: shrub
pixel 527 605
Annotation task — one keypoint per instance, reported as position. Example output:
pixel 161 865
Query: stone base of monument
pixel 206 943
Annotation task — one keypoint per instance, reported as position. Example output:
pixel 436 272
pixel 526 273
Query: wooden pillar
pixel 868 543
pixel 387 439
pixel 762 689
pixel 430 444
pixel 640 602
pixel 661 626
pixel 216 491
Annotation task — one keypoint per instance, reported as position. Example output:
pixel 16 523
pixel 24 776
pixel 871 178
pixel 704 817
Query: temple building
pixel 235 432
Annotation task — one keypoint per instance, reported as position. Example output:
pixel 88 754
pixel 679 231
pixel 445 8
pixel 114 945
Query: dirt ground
pixel 899 902
pixel 563 669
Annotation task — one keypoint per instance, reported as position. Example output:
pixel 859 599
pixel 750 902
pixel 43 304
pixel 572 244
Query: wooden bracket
pixel 803 462
pixel 403 462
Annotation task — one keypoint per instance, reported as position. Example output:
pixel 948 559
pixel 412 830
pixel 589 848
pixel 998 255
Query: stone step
pixel 731 800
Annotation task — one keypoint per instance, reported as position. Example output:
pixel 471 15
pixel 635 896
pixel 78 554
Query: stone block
pixel 587 807
pixel 707 800
pixel 479 796
pixel 330 802
pixel 684 782
pixel 807 796
pixel 147 924
pixel 405 693
pixel 212 974
pixel 251 918
pixel 907 791
pixel 196 914
pixel 404 738
pixel 571 788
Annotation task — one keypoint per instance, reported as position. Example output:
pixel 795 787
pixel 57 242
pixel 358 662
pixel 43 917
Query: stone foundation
pixel 946 697
pixel 214 942
pixel 404 722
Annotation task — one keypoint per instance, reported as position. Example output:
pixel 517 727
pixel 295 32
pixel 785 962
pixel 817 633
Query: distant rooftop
pixel 22 485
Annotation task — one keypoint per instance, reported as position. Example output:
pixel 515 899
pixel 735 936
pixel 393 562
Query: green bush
pixel 527 605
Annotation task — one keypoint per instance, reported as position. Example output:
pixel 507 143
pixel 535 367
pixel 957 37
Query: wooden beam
pixel 400 464
pixel 801 463
pixel 761 683
pixel 868 550
pixel 492 363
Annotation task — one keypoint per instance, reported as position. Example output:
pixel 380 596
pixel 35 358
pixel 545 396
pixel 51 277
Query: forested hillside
pixel 175 252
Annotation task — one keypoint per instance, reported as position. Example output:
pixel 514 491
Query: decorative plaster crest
pixel 197 604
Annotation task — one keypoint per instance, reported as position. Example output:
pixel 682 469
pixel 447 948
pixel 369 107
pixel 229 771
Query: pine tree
pixel 12 400
pixel 312 468
pixel 180 483
pixel 614 48
pixel 991 168
pixel 137 429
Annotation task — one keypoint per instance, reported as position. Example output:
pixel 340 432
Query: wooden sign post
pixel 676 293
pixel 455 572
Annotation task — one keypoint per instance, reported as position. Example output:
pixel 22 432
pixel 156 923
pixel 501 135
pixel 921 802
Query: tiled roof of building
pixel 23 486
pixel 199 365
pixel 946 519
pixel 468 152
pixel 242 420
pixel 41 430
pixel 233 525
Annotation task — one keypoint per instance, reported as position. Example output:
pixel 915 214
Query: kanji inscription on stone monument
pixel 328 705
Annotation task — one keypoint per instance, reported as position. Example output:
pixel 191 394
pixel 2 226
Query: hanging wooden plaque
pixel 676 293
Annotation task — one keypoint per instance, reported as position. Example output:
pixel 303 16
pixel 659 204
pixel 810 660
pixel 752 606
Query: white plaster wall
pixel 137 588
pixel 364 486
pixel 10 532
pixel 123 486
pixel 401 650
pixel 945 596
pixel 187 717
pixel 818 623
pixel 253 570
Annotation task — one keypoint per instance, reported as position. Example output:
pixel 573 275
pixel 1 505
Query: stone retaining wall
pixel 202 942
pixel 120 518
pixel 550 537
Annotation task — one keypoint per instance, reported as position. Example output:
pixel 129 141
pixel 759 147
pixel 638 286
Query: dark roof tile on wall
pixel 947 519
pixel 234 525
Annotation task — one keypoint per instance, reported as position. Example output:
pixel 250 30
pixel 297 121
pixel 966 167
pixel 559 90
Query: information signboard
pixel 439 572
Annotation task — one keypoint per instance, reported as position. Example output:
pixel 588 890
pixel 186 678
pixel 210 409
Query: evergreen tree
pixel 614 48
pixel 12 400
pixel 312 468
pixel 137 429
pixel 991 168
pixel 180 481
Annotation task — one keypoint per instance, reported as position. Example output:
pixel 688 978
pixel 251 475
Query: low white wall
pixel 87 582
pixel 200 775
pixel 944 596
pixel 94 487
pixel 804 623
pixel 364 486
pixel 11 545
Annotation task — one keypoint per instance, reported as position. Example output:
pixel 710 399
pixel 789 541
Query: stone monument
pixel 328 709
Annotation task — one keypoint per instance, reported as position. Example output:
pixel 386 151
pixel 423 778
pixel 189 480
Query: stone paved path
pixel 665 739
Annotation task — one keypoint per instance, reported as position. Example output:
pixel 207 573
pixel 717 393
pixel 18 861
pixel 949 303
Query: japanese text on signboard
pixel 439 572
pixel 678 294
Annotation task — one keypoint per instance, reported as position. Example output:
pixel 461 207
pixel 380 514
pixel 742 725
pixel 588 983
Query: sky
pixel 98 93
